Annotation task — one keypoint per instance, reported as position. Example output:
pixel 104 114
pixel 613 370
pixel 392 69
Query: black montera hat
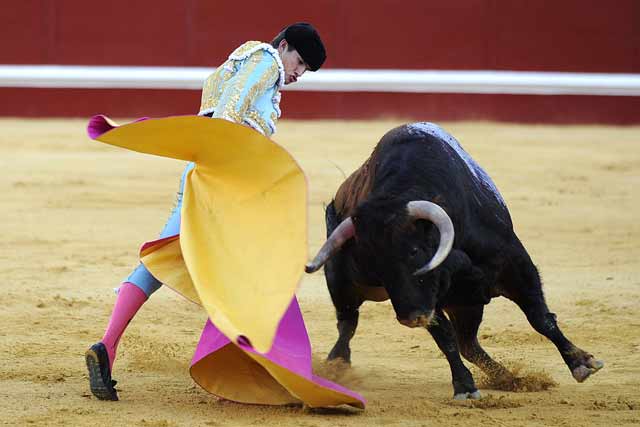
pixel 306 40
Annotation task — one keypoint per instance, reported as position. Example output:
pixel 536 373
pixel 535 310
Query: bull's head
pixel 399 251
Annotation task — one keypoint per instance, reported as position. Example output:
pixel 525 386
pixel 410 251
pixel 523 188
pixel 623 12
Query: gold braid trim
pixel 213 86
pixel 236 109
pixel 255 120
pixel 250 47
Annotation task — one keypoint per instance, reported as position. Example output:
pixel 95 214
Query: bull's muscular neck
pixel 357 187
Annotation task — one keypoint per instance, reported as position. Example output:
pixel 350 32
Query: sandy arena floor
pixel 76 211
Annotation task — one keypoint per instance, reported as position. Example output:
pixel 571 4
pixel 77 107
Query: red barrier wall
pixel 541 35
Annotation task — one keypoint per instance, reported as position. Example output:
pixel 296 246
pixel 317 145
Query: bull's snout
pixel 417 319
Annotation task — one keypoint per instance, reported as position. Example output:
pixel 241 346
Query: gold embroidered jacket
pixel 246 88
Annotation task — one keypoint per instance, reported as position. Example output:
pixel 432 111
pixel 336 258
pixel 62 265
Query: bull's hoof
pixel 476 395
pixel 338 360
pixel 591 366
pixel 340 353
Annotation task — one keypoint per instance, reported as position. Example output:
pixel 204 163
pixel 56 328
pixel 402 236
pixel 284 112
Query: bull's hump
pixel 479 174
pixel 354 189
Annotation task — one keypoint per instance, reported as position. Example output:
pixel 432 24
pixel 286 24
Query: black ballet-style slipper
pixel 102 386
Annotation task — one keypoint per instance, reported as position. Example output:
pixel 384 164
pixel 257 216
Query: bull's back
pixel 478 175
pixel 426 156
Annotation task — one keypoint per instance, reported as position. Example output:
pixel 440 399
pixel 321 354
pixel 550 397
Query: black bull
pixel 422 224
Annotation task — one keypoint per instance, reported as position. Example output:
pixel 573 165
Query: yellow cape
pixel 242 244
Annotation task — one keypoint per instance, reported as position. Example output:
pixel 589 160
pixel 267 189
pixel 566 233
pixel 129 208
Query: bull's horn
pixel 341 234
pixel 434 213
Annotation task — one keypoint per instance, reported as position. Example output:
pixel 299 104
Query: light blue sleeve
pixel 258 73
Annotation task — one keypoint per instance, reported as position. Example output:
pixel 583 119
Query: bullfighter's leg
pixel 132 294
pixel 466 321
pixel 526 291
pixel 443 333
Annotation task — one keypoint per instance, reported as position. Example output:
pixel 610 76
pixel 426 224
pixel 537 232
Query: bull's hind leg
pixel 466 321
pixel 526 290
pixel 445 337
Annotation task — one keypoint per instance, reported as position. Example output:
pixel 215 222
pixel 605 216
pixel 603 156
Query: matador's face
pixel 294 65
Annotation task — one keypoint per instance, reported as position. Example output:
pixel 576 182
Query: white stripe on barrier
pixel 334 80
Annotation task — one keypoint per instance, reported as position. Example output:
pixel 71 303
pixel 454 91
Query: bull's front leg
pixel 445 337
pixel 347 301
pixel 347 324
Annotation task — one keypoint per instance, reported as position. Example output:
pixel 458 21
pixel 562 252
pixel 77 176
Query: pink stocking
pixel 130 299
